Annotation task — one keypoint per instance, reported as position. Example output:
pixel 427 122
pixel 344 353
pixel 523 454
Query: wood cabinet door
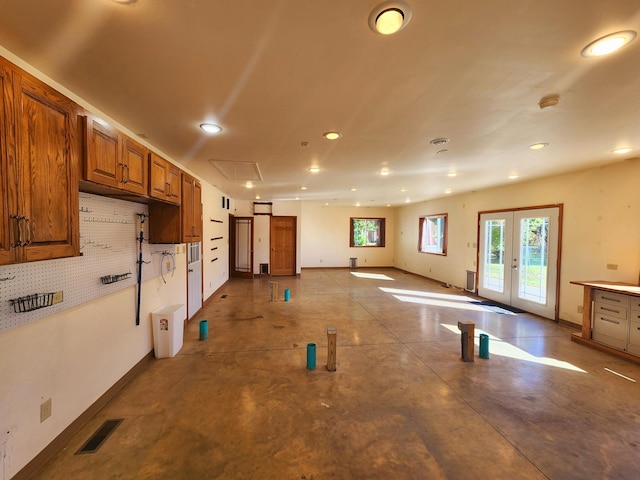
pixel 136 164
pixel 197 212
pixel 174 184
pixel 158 173
pixel 188 232
pixel 47 155
pixel 102 159
pixel 8 180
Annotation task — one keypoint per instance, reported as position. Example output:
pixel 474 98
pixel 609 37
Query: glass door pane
pixel 532 269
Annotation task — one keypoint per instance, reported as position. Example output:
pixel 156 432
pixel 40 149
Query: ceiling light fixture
pixel 549 101
pixel 622 151
pixel 538 146
pixel 248 185
pixel 452 173
pixel 303 188
pixel 384 172
pixel 608 44
pixel 211 127
pixel 390 17
pixel 126 2
pixel 314 169
pixel 447 191
pixel 512 176
pixel 331 135
pixel 354 189
pixel 439 141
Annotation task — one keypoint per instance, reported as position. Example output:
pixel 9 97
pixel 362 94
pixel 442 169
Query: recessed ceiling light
pixel 447 191
pixel 248 185
pixel 211 127
pixel 314 169
pixel 358 204
pixel 384 172
pixel 452 173
pixel 512 176
pixel 549 101
pixel 303 188
pixel 390 17
pixel 257 197
pixel 621 151
pixel 354 189
pixel 331 135
pixel 408 200
pixel 608 44
pixel 403 190
pixel 538 146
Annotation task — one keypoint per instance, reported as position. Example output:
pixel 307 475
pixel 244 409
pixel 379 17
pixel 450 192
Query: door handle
pixel 190 270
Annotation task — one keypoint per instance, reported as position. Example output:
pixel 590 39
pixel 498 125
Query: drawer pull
pixel 617 300
pixel 609 310
pixel 609 320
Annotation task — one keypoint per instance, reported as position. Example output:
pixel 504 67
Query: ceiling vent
pixel 233 170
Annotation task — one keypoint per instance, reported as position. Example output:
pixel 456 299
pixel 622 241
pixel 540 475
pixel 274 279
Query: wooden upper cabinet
pixel 8 178
pixel 102 160
pixel 164 180
pixel 46 166
pixel 191 209
pixel 135 166
pixel 113 159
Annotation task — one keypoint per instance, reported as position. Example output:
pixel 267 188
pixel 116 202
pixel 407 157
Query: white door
pixel 194 279
pixel 519 259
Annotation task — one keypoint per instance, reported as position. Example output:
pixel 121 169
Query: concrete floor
pixel 401 405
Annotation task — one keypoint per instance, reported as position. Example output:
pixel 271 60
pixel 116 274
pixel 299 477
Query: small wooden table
pixel 584 337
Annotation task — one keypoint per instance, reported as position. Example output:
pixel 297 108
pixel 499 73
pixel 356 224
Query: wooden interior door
pixel 283 245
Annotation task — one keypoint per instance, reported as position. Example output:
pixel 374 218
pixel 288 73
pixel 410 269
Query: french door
pixel 518 259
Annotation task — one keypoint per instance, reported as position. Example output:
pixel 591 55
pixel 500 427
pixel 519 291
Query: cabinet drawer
pixel 610 310
pixel 612 298
pixel 634 316
pixel 634 334
pixel 634 303
pixel 610 326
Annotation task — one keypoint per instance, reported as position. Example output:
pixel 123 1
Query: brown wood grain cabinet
pixel 112 159
pixel 192 209
pixel 164 180
pixel 40 150
pixel 178 223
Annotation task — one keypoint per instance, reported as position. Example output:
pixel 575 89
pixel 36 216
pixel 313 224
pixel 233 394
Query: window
pixel 433 234
pixel 367 232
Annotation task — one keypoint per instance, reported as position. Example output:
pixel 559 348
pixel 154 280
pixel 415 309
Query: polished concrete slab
pixel 401 405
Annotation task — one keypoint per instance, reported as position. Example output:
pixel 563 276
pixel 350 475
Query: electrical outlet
pixel 580 308
pixel 45 410
pixel 612 266
pixel 57 298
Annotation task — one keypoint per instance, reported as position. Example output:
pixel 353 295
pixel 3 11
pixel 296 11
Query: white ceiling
pixel 278 74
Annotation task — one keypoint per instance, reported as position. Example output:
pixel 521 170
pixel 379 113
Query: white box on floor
pixel 168 330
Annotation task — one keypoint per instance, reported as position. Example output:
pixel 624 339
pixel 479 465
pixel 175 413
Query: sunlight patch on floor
pixel 499 347
pixel 375 276
pixel 443 303
pixel 416 293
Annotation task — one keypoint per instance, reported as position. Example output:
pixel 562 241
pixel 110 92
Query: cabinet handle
pixel 168 189
pixel 28 222
pixel 617 300
pixel 609 320
pixel 18 219
pixel 126 167
pixel 122 180
pixel 609 310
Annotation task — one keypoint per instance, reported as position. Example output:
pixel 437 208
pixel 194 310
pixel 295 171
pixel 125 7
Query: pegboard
pixel 109 232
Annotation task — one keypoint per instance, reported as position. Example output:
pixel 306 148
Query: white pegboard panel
pixel 109 232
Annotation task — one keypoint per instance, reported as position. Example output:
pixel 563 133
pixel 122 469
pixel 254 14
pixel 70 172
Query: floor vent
pixel 97 439
pixel 224 296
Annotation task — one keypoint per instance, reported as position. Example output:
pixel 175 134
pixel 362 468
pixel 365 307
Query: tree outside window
pixel 367 232
pixel 433 234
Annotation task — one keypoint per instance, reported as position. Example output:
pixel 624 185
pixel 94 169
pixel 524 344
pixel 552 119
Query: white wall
pixel 601 226
pixel 73 358
pixel 325 236
pixel 215 273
